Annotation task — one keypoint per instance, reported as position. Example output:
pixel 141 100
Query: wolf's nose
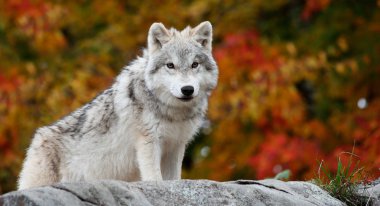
pixel 187 90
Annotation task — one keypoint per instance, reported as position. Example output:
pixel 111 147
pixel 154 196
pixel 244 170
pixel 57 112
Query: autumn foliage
pixel 299 80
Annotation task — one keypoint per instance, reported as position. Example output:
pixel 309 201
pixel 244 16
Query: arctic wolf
pixel 139 127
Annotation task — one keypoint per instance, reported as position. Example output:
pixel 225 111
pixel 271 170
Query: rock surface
pixel 370 192
pixel 374 194
pixel 181 192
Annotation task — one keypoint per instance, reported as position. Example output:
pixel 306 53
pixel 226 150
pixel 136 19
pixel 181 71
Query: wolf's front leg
pixel 149 158
pixel 172 162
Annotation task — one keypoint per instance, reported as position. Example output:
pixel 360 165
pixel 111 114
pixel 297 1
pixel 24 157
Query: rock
pixel 178 192
pixel 370 192
pixel 374 193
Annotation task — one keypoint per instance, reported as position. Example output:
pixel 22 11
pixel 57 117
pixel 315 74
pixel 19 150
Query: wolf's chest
pixel 177 131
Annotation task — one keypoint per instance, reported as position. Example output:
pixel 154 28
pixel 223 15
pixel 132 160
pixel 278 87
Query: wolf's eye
pixel 170 65
pixel 194 65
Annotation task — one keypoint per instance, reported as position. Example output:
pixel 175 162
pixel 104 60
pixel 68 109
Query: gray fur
pixel 128 131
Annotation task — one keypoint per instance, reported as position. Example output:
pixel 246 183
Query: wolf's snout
pixel 187 90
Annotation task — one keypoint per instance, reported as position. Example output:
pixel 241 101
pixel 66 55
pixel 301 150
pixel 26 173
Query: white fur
pixel 138 129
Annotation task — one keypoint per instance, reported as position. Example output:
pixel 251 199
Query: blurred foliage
pixel 299 80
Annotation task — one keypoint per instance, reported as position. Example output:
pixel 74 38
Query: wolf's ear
pixel 158 35
pixel 203 34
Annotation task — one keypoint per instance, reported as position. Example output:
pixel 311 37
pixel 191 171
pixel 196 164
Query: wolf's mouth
pixel 185 99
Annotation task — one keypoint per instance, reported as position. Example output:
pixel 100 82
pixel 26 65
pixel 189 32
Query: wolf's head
pixel 181 70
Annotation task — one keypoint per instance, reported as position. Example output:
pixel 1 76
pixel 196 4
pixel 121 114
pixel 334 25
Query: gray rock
pixel 374 194
pixel 181 192
pixel 370 192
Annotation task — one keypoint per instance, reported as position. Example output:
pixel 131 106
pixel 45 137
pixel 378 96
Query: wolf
pixel 139 127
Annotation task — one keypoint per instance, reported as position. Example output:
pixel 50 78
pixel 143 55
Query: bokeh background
pixel 299 80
